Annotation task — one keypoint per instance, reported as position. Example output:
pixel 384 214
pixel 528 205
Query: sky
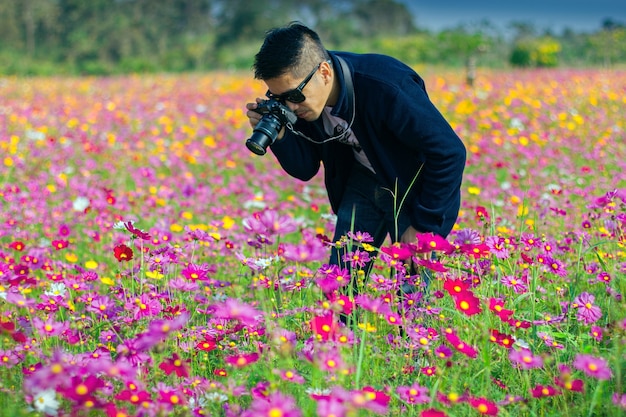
pixel 579 15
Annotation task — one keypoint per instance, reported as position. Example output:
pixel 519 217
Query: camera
pixel 275 116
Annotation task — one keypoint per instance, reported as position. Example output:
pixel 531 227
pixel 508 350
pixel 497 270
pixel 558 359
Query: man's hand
pixel 254 117
pixel 409 237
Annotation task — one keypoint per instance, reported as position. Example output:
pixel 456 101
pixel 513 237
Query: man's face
pixel 316 91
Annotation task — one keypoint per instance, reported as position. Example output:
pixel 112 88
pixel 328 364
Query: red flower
pixel 482 213
pixel 468 303
pixel 455 286
pixel 502 339
pixel 17 245
pixel 207 345
pixel 174 364
pixel 123 253
pixel 497 306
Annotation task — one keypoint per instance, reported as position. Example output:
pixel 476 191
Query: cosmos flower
pixel 242 360
pixel 524 358
pixel 175 365
pixel 586 312
pixel 123 253
pixel 467 303
pixel 323 327
pixel 46 402
pixel 484 406
pixel 414 394
pixel 275 404
pixel 459 344
pixel 593 366
pixel 540 391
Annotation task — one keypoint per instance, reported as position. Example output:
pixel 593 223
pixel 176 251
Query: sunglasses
pixel 295 95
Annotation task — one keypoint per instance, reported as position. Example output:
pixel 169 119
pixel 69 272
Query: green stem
pixel 360 357
pixel 596 396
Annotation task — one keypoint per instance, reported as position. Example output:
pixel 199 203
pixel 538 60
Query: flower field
pixel 150 265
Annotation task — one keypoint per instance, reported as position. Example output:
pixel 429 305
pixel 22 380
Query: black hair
pixel 293 48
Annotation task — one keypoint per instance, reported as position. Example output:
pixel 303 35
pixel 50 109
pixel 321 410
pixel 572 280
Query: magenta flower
pixel 332 278
pixel 524 358
pixel 275 404
pixel 357 259
pixel 484 406
pixel 592 366
pixel 459 344
pixel 587 312
pixel 544 391
pixel 596 332
pixel 175 365
pixel 196 272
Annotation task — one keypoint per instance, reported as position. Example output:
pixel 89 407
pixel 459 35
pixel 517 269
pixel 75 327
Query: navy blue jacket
pixel 399 129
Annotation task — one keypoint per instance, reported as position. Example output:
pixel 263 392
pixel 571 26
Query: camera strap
pixel 347 78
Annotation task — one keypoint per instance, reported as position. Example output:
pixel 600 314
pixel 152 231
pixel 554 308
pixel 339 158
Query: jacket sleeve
pixel 419 125
pixel 297 156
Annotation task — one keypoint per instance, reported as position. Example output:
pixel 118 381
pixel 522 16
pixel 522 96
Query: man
pixel 392 164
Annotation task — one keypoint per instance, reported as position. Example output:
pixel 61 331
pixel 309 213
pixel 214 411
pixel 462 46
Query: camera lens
pixel 264 134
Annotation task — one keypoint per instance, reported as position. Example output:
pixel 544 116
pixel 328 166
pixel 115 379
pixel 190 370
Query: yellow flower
pixel 91 264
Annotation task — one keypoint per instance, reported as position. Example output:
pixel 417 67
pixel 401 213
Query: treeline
pixel 44 37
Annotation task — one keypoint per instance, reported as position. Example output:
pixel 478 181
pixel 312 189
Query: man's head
pixel 297 69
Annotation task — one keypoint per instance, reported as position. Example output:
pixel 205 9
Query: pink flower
pixel 241 360
pixel 587 311
pixel 593 366
pixel 596 332
pixel 414 394
pixel 332 406
pixel 459 344
pixel 237 310
pixel 50 327
pixel 332 277
pixel 525 359
pixel 275 404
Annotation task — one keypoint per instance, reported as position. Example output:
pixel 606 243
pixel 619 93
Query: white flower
pixel 80 204
pixel 215 397
pixel 46 402
pixel 56 288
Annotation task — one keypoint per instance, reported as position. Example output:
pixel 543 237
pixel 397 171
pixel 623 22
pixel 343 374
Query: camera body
pixel 275 116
